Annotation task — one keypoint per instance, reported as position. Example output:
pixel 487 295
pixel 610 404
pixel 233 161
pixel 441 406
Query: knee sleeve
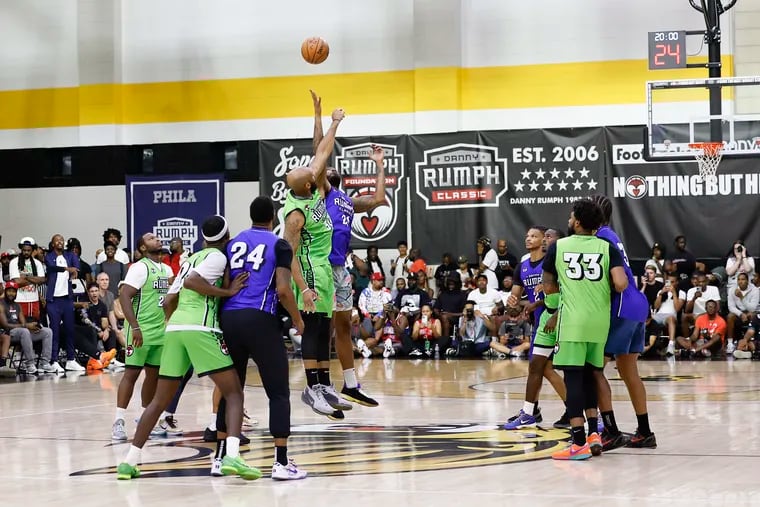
pixel 323 340
pixel 310 337
pixel 575 395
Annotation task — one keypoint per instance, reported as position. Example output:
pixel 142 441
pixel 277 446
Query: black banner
pixel 384 225
pixel 656 201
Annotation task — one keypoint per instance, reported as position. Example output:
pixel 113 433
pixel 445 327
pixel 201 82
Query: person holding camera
pixel 667 304
pixel 738 262
pixel 473 334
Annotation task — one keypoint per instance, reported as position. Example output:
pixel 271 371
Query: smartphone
pixel 667 283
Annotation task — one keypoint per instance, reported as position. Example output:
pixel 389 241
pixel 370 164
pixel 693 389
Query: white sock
pixel 165 414
pixel 121 413
pixel 134 456
pixel 233 447
pixel 528 407
pixel 349 378
pixel 212 424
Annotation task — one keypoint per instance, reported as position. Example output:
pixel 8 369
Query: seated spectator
pixel 360 270
pixel 361 332
pixel 738 262
pixel 709 333
pixel 115 269
pixel 13 322
pixel 92 326
pixel 746 348
pixel 422 283
pixel 465 273
pixel 399 286
pixel 696 301
pixel 5 361
pixel 176 256
pixel 409 301
pixel 374 264
pixel 668 302
pixel 401 263
pixel 650 287
pixel 473 337
pixel 444 270
pixel 426 333
pixel 506 288
pixel 418 262
pixel 742 308
pixel 684 261
pixel 507 261
pixel 514 335
pixel 113 236
pixel 373 299
pixel 485 297
pixel 85 270
pixel 5 263
pixel 450 303
pixel 390 333
pixel 657 262
pixel 29 274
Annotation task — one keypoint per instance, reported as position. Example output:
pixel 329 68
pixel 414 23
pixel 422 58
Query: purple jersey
pixel 631 304
pixel 341 211
pixel 259 252
pixel 528 276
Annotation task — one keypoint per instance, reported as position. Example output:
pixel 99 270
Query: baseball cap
pixel 8 253
pixel 27 240
pixel 461 259
pixel 377 276
pixel 656 245
pixel 11 285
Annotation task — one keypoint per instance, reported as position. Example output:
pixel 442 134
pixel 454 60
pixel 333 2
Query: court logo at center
pixel 461 176
pixel 351 449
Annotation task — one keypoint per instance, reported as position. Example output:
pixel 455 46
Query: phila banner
pixel 657 201
pixel 498 184
pixel 384 225
pixel 172 206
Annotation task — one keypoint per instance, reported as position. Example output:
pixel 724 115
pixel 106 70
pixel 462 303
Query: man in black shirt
pixel 450 302
pixel 13 321
pixel 684 261
pixel 409 301
pixel 444 271
pixel 93 328
pixel 507 261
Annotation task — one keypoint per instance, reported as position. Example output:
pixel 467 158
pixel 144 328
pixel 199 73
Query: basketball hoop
pixel 708 157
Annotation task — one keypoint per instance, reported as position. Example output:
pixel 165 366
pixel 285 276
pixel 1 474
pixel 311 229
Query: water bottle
pixel 427 348
pixel 437 352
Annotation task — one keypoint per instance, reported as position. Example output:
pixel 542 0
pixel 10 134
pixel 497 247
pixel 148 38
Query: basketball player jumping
pixel 527 279
pixel 308 229
pixel 584 268
pixel 341 209
pixel 193 338
pixel 630 311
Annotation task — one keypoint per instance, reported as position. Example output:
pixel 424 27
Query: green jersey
pixel 316 234
pixel 196 312
pixel 582 266
pixel 151 279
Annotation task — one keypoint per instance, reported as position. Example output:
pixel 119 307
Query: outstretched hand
pixel 378 154
pixel 317 100
pixel 338 114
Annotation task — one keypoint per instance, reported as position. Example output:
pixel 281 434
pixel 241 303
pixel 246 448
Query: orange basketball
pixel 315 50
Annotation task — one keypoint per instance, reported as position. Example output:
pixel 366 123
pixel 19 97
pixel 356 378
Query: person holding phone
pixel 738 262
pixel 427 329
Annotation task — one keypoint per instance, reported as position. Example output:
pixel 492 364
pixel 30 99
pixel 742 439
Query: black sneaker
pixel 639 441
pixel 611 442
pixel 563 423
pixel 209 435
pixel 356 395
pixel 244 440
pixel 536 415
pixel 337 416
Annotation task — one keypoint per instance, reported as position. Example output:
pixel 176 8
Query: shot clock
pixel 667 50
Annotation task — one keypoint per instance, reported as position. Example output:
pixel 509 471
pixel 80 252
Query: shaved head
pixel 302 181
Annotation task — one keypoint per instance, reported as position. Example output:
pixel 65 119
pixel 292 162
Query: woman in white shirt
pixel 738 262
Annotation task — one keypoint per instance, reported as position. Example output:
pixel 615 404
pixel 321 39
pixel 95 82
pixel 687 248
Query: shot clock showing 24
pixel 667 50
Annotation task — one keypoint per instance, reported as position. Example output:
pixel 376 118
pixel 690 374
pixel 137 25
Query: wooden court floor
pixel 433 441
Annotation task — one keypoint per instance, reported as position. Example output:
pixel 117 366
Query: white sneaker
pixel 7 371
pixel 116 363
pixel 515 353
pixel 363 348
pixel 73 365
pixel 248 422
pixel 287 472
pixel 730 347
pixel 170 426
pixel 334 399
pixel 216 468
pixel 388 349
pixel 671 349
pixel 158 431
pixel 58 367
pixel 49 368
pixel 30 369
pixel 313 397
pixel 118 433
pixel 742 354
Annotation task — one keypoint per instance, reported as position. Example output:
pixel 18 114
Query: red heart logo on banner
pixel 369 224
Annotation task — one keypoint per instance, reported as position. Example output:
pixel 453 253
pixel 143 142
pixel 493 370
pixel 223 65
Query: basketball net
pixel 708 157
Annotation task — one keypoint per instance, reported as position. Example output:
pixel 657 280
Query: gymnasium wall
pixel 747 55
pixel 113 72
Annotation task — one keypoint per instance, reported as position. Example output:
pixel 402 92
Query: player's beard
pixel 570 231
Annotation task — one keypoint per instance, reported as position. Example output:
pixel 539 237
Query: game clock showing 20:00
pixel 667 50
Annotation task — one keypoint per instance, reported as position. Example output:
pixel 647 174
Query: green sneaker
pixel 236 466
pixel 125 472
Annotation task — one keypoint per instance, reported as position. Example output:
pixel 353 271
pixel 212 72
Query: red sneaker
pixel 574 453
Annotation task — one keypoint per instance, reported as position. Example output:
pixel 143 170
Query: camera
pixel 469 313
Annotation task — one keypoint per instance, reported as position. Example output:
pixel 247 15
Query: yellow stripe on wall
pixel 402 91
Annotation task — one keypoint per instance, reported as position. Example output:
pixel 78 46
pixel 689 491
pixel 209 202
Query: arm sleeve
pixel 284 254
pixel 212 267
pixel 137 275
pixel 616 259
pixel 550 260
pixel 517 277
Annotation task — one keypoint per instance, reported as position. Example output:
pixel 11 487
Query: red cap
pixel 11 285
pixel 377 276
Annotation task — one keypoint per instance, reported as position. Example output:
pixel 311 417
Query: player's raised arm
pixel 318 133
pixel 324 150
pixel 369 202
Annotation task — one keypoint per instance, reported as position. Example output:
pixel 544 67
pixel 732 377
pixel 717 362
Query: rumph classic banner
pixel 172 206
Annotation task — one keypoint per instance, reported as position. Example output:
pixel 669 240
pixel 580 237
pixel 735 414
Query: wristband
pixel 135 329
pixel 307 288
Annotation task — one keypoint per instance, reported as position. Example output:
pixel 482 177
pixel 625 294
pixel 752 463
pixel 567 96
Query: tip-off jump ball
pixel 315 50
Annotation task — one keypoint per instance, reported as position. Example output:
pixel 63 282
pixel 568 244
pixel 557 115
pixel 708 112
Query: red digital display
pixel 667 50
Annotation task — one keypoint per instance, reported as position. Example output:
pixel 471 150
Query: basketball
pixel 315 50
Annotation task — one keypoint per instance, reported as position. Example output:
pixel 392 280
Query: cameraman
pixel 738 262
pixel 93 329
pixel 473 333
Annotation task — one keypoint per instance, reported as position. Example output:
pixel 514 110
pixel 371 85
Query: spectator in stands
pixel 13 322
pixel 93 326
pixel 738 262
pixel 5 262
pixel 373 299
pixel 489 261
pixel 113 236
pixel 418 262
pixel 426 333
pixel 667 304
pixel 450 303
pixel 5 345
pixel 109 299
pixel 360 270
pixel 696 301
pixel 176 256
pixel 29 274
pixel 61 266
pixel 422 283
pixel 361 332
pixel 651 287
pixel 374 264
pixel 473 337
pixel 401 262
pixel 390 333
pixel 444 270
pixel 742 308
pixel 683 261
pixel 409 301
pixel 747 348
pixel 657 262
pixel 506 288
pixel 399 286
pixel 85 272
pixel 484 296
pixel 708 335
pixel 507 261
pixel 115 270
pixel 513 335
pixel 465 273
